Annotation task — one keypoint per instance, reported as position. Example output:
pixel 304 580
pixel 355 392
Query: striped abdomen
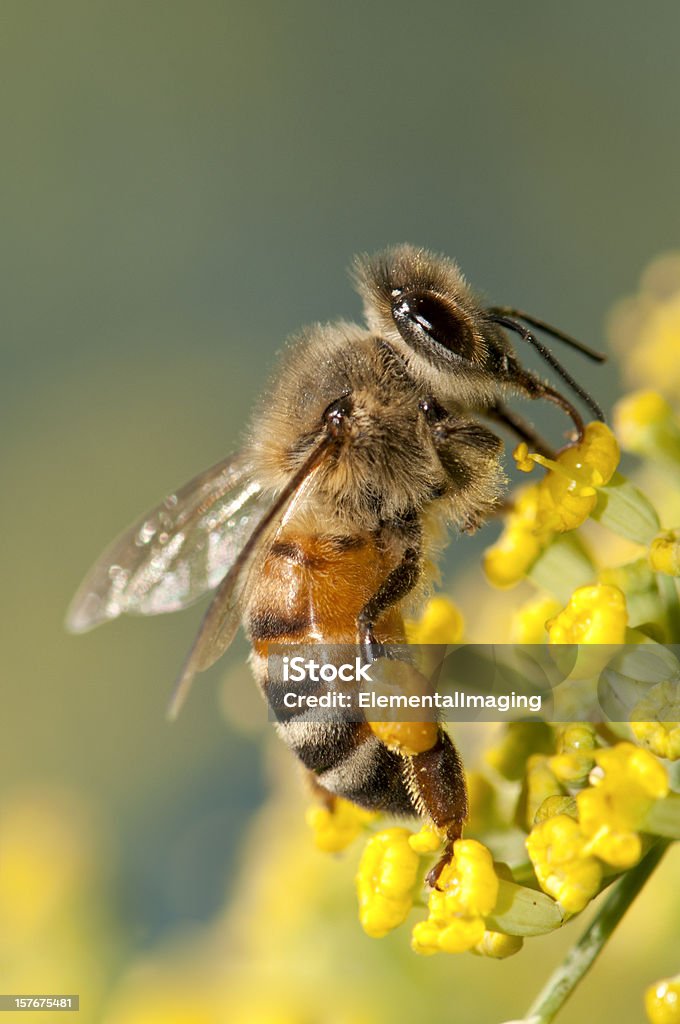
pixel 312 590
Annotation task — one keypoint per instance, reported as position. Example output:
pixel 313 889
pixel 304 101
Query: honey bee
pixel 368 442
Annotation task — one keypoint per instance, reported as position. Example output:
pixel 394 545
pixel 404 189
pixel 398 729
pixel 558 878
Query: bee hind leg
pixel 319 792
pixel 436 781
pixel 432 877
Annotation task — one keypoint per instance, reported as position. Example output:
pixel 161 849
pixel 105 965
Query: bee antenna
pixel 546 354
pixel 555 332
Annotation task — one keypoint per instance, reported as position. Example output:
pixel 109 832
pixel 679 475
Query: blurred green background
pixel 182 186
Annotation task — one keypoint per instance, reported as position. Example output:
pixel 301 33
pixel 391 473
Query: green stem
pixel 669 593
pixel 581 958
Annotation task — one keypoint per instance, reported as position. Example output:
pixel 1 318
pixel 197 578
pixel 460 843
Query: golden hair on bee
pixel 390 461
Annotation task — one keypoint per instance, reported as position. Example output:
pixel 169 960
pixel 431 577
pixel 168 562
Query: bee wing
pixel 177 552
pixel 221 620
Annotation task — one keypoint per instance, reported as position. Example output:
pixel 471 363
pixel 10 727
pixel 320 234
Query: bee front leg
pixel 470 456
pixel 501 413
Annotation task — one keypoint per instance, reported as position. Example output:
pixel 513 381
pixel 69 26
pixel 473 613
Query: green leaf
pixel 522 911
pixel 664 817
pixel 622 508
pixel 644 602
pixel 668 589
pixel 563 566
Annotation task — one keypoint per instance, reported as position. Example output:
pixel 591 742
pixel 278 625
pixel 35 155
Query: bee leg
pixel 500 412
pixel 319 792
pixel 396 586
pixel 470 457
pixel 437 782
pixel 432 877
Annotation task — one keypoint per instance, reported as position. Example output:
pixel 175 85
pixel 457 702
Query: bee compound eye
pixel 422 316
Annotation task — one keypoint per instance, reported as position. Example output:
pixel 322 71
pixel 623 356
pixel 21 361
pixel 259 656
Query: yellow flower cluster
pixel 519 741
pixel 520 544
pixel 466 892
pixel 662 1001
pixel 664 553
pixel 498 945
pixel 567 494
pixel 652 720
pixel 590 809
pixel 646 424
pixel 386 879
pixel 426 841
pixel 528 622
pixel 645 328
pixel 625 784
pixel 541 785
pixel 440 623
pixel 557 849
pixel 335 828
pixel 567 852
pixel 575 755
pixel 561 501
pixel 547 777
pixel 596 614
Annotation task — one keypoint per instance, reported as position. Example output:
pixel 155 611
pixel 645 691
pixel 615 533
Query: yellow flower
pixel 45 857
pixel 540 785
pixel 523 458
pixel 662 1001
pixel 529 621
pixel 467 892
pixel 664 553
pixel 519 741
pixel 520 544
pixel 561 501
pixel 575 752
pixel 499 945
pixel 638 410
pixel 387 876
pixel 158 995
pixel 426 841
pixel 646 328
pixel 440 623
pixel 596 614
pixel 568 493
pixel 334 829
pixel 646 424
pixel 651 720
pixel 554 805
pixel 624 786
pixel 563 866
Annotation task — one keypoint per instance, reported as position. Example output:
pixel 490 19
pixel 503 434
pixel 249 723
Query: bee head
pixel 422 305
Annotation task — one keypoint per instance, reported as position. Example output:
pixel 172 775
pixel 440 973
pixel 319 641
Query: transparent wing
pixel 223 615
pixel 180 550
